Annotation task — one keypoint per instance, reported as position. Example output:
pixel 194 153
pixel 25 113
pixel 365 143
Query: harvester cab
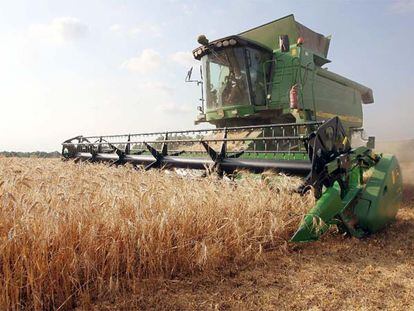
pixel 273 74
pixel 276 108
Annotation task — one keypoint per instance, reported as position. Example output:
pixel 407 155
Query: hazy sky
pixel 101 67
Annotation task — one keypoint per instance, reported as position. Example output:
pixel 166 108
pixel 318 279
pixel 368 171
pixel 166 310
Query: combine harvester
pixel 274 108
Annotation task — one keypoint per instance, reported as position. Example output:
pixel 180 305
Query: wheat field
pixel 73 234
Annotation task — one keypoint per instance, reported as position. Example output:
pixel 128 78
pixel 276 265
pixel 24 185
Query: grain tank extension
pixel 274 107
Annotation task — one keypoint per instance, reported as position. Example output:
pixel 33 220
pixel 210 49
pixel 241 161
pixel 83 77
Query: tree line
pixel 34 154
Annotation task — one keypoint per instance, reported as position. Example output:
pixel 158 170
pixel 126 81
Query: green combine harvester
pixel 274 107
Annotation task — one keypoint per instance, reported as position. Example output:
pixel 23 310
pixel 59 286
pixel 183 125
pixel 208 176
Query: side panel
pixel 335 99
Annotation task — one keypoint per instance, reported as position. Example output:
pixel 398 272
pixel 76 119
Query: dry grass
pixel 74 234
pixel 94 237
pixel 335 273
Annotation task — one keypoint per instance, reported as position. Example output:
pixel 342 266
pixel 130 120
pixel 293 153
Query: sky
pixel 108 67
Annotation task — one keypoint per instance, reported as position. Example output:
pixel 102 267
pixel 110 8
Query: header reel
pixel 319 151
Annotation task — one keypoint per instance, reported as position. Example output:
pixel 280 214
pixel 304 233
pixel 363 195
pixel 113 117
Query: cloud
pixel 145 29
pixel 116 28
pixel 185 59
pixel 149 60
pixel 402 6
pixel 59 30
pixel 136 31
pixel 186 9
pixel 157 87
pixel 173 108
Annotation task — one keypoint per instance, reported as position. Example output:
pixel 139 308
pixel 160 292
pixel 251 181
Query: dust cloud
pixel 404 151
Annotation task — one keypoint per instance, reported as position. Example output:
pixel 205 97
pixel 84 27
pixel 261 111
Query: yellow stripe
pixel 327 115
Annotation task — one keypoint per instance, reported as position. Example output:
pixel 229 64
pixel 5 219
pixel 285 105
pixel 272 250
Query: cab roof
pixel 230 41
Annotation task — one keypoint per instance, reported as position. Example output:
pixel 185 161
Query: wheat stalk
pixel 71 233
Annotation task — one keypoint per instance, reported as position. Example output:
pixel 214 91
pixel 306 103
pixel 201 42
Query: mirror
pixel 199 83
pixel 189 73
pixel 284 43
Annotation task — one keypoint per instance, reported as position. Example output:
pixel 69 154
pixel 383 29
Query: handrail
pixel 228 129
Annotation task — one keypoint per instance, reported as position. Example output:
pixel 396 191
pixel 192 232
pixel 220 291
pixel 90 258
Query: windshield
pixel 229 81
pixel 226 78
